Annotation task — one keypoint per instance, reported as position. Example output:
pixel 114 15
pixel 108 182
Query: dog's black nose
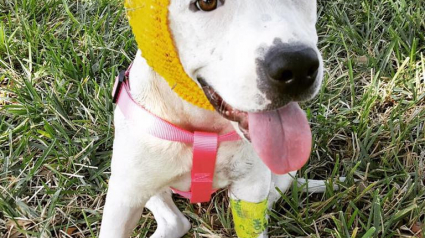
pixel 292 68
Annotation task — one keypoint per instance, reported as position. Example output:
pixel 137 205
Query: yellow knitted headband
pixel 149 21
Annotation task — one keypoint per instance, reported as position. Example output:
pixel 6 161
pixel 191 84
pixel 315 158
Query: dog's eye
pixel 206 5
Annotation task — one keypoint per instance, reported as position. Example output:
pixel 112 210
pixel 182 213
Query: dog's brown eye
pixel 207 5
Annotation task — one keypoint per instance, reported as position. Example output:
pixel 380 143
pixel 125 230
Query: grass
pixel 58 59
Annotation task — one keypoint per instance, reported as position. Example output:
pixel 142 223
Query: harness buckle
pixel 119 80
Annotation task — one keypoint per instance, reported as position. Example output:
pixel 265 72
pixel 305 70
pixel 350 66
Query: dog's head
pixel 253 60
pixel 257 55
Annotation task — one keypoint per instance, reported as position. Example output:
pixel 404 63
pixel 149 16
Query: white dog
pixel 254 59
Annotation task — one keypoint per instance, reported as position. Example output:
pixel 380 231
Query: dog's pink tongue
pixel 281 138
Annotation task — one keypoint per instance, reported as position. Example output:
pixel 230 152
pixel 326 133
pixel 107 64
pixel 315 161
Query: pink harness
pixel 205 144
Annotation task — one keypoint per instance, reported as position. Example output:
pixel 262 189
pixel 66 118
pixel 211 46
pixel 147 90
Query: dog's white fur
pixel 222 47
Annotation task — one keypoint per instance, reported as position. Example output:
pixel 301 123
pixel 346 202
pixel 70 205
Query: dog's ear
pixel 149 22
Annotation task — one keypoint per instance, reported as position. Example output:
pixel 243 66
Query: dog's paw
pixel 172 229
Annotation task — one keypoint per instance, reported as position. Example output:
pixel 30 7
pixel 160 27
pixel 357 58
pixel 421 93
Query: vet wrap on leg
pixel 250 218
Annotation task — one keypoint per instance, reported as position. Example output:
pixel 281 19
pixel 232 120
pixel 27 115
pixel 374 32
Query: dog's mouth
pixel 227 111
pixel 281 138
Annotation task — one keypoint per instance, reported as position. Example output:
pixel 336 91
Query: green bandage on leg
pixel 250 218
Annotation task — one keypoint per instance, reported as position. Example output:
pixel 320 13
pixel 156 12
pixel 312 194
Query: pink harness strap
pixel 205 144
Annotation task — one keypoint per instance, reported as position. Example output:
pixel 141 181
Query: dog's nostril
pixel 286 76
pixel 312 72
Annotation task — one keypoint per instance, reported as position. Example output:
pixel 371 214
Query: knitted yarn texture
pixel 149 22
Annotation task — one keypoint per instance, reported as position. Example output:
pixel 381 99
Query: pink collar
pixel 205 144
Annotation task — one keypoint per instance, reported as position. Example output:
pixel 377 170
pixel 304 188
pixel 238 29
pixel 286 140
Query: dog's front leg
pixel 171 222
pixel 249 203
pixel 119 217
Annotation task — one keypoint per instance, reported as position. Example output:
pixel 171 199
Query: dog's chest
pixel 234 160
